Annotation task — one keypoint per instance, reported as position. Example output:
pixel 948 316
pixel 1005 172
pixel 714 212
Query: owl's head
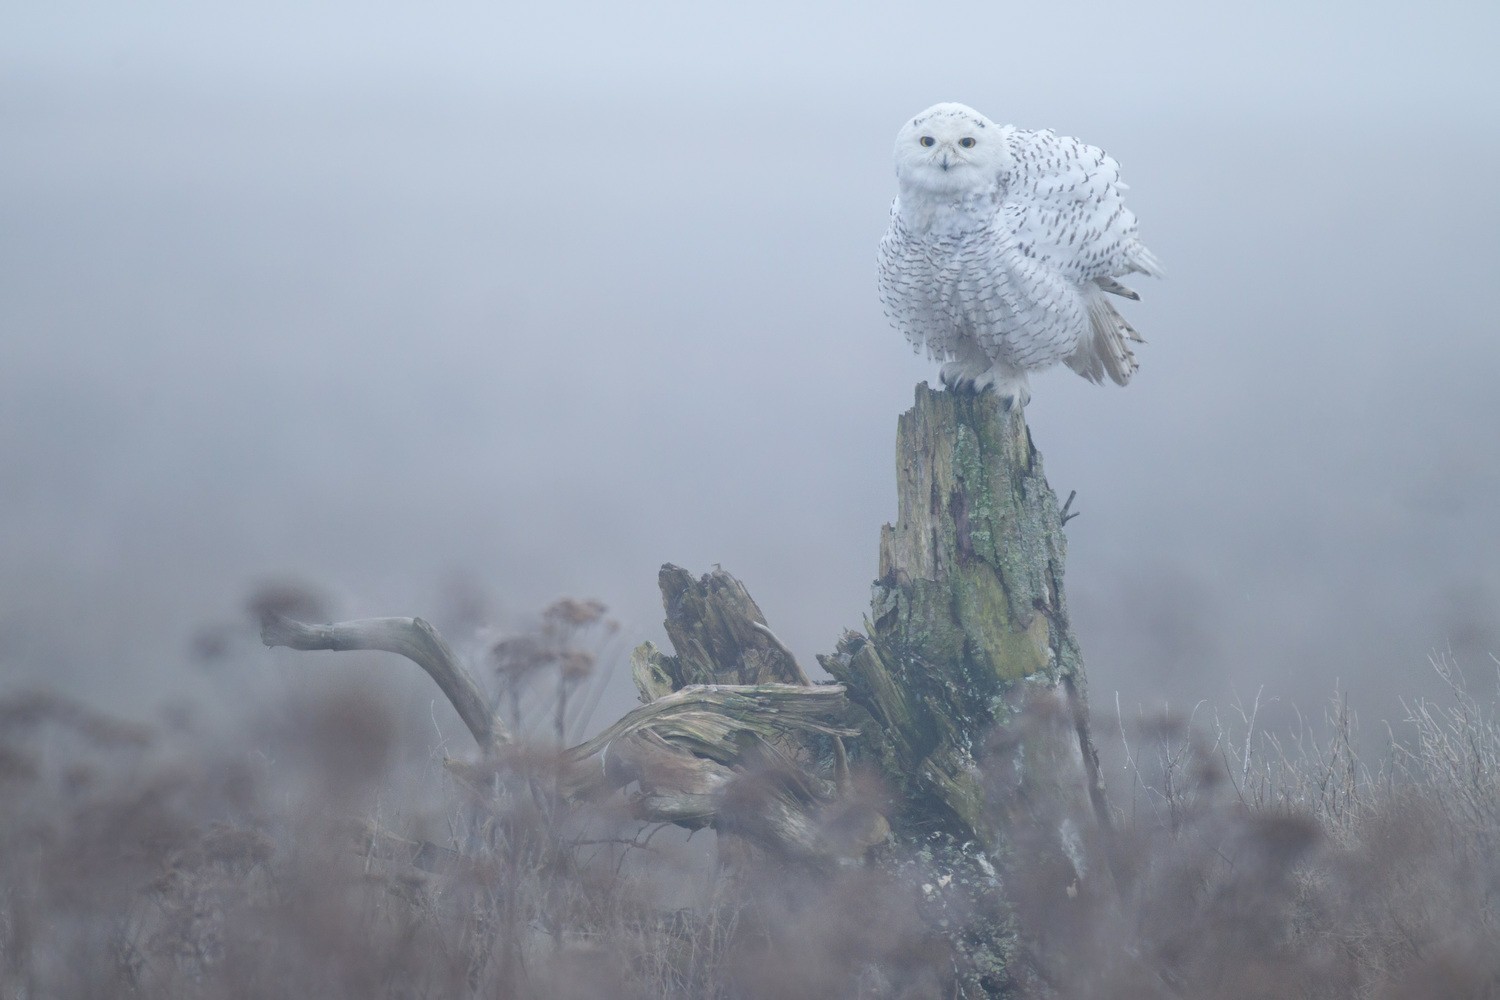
pixel 950 149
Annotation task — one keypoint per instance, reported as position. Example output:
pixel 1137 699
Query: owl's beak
pixel 944 164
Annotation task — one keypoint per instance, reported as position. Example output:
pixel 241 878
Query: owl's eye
pixel 967 142
pixel 927 140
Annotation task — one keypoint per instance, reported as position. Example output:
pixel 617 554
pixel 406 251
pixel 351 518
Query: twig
pixel 1066 517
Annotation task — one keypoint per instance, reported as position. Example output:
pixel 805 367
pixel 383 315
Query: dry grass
pixel 1261 865
pixel 1246 864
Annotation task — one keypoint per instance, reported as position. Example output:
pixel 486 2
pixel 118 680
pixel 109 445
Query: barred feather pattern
pixel 1002 247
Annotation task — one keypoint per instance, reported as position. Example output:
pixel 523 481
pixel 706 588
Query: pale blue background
pixel 537 297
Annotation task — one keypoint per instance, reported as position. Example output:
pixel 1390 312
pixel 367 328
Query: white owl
pixel 1001 247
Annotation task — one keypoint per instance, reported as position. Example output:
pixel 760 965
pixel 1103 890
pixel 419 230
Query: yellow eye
pixel 967 142
pixel 927 140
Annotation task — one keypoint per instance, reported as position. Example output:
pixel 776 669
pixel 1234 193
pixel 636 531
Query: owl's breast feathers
pixel 931 258
pixel 956 280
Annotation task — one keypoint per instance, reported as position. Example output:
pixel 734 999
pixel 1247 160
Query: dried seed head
pixel 520 655
pixel 576 665
pixel 578 614
pixel 288 599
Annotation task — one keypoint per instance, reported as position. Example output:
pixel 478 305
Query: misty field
pixel 324 848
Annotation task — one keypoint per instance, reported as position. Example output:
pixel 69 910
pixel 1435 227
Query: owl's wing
pixel 1065 205
pixel 1022 310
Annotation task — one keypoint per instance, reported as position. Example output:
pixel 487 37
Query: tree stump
pixel 965 695
pixel 974 682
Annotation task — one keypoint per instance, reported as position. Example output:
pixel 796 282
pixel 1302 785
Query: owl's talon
pixel 1014 398
pixel 957 376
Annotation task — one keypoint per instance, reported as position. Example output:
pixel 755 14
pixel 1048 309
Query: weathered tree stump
pixel 965 695
pixel 974 682
pixel 968 616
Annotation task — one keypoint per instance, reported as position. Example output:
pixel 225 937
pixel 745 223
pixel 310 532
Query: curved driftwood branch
pixel 707 717
pixel 707 754
pixel 710 755
pixel 412 638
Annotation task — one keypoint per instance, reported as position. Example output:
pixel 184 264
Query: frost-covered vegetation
pixel 315 854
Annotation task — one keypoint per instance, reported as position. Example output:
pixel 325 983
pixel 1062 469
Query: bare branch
pixel 412 638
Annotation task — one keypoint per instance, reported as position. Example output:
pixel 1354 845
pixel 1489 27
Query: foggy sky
pixel 528 300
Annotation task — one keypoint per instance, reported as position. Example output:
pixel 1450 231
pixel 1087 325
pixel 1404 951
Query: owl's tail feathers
pixel 1106 350
pixel 1113 287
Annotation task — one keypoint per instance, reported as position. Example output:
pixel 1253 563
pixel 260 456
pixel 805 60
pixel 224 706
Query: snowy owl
pixel 1002 246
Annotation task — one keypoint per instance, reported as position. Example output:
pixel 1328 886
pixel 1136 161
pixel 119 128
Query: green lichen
pixel 1004 651
pixel 655 674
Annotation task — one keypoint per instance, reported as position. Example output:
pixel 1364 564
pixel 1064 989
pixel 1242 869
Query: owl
pixel 1003 248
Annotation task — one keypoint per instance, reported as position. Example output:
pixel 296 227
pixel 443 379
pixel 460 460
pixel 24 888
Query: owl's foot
pixel 1009 387
pixel 958 375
